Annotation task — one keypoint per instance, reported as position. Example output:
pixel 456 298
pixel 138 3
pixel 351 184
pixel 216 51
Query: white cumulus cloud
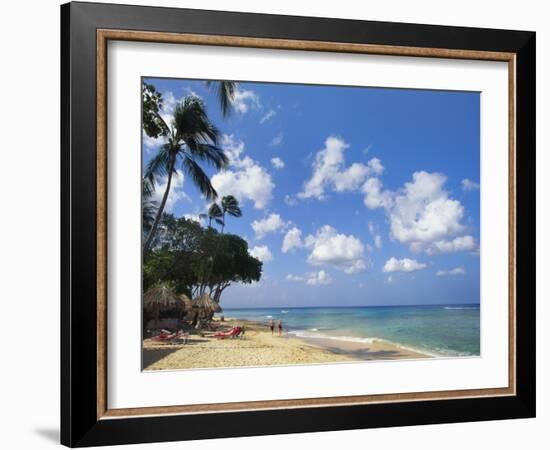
pixel 312 278
pixel 330 248
pixel 262 253
pixel 291 277
pixel 270 224
pixel 373 230
pixel 329 171
pixel 469 185
pixel 315 278
pixel 233 149
pixel 244 99
pixel 459 244
pixel 455 271
pixel 374 196
pixel 402 265
pixel 245 178
pixel 422 215
pixel 150 144
pixel 424 212
pixel 277 163
pixel 292 239
pixel 376 167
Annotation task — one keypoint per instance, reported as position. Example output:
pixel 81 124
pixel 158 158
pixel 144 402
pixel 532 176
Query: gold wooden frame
pixel 104 35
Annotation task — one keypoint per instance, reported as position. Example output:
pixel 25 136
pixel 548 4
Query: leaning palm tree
pixel 230 205
pixel 149 212
pixel 149 207
pixel 214 213
pixel 191 136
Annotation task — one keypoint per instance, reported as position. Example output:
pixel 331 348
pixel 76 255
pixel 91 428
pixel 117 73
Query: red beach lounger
pixel 166 336
pixel 231 333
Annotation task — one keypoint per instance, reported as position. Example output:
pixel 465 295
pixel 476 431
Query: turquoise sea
pixel 438 330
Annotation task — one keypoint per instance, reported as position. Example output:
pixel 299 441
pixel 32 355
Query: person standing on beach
pixel 280 327
pixel 271 326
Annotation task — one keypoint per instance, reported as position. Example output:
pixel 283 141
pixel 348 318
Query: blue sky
pixel 351 196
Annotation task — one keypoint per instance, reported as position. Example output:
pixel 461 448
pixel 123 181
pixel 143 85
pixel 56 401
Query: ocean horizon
pixel 445 330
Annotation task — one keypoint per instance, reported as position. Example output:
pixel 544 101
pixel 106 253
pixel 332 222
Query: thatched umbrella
pixel 162 300
pixel 205 303
pixel 187 302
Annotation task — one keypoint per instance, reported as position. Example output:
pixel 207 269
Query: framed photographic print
pixel 277 224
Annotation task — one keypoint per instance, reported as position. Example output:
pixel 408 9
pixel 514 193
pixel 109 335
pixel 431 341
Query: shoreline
pixel 258 348
pixel 349 345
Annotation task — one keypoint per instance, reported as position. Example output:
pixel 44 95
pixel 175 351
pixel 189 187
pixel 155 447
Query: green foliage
pixel 171 267
pixel 196 260
pixel 232 262
pixel 153 125
pixel 180 234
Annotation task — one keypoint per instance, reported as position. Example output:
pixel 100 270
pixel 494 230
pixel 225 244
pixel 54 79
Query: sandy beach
pixel 259 348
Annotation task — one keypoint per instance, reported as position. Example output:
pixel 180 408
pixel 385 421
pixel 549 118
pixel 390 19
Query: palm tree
pixel 214 213
pixel 226 94
pixel 149 212
pixel 149 207
pixel 191 137
pixel 230 205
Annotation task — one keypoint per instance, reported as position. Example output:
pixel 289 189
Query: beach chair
pixel 167 336
pixel 233 332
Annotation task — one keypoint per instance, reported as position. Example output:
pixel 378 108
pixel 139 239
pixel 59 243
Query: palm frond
pixel 158 166
pixel 208 153
pixel 226 94
pixel 214 211
pixel 149 211
pixel 200 179
pixel 190 121
pixel 163 125
pixel 147 188
pixel 230 205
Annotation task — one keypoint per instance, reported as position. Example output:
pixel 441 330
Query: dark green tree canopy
pixel 153 125
pixel 196 260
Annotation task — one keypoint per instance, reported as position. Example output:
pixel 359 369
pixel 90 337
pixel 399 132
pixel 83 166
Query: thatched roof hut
pixel 163 300
pixel 205 303
pixel 187 302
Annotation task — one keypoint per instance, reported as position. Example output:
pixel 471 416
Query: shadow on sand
pixel 152 355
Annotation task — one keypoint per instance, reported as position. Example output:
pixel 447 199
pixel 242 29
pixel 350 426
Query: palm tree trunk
pixel 149 241
pixel 223 222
